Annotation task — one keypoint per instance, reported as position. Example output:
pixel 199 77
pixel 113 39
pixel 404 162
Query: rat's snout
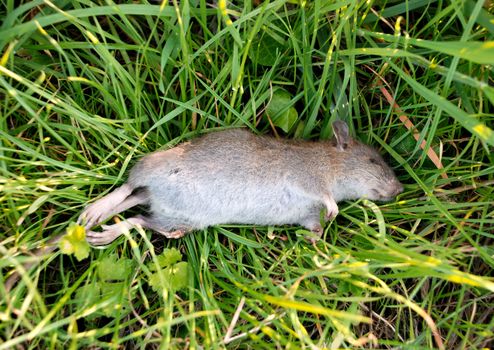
pixel 398 188
pixel 395 188
pixel 388 192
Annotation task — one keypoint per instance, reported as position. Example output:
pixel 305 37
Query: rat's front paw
pixel 318 231
pixel 331 208
pixel 330 215
pixel 315 228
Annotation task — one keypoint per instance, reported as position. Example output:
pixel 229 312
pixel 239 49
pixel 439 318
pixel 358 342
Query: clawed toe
pixel 111 204
pixel 175 234
pixel 331 213
pixel 315 237
pixel 97 238
pixel 108 235
pixel 89 217
pixel 318 231
pixel 111 232
pixel 331 208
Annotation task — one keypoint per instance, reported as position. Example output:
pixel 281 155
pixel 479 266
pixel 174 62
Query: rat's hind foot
pixel 103 207
pixel 172 228
pixel 174 234
pixel 112 232
pixel 105 237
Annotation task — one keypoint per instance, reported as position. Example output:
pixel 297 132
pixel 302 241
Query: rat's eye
pixel 373 161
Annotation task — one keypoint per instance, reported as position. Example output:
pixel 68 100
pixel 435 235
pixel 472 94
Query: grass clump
pixel 88 87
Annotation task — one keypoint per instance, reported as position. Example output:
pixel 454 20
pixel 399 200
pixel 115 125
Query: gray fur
pixel 234 176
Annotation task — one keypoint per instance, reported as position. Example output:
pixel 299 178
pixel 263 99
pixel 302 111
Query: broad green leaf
pixel 173 273
pixel 74 242
pixel 117 291
pixel 173 277
pixel 112 268
pixel 266 50
pixel 112 282
pixel 280 110
pixel 406 145
pixel 169 257
pixel 179 275
pixel 98 292
pixel 88 295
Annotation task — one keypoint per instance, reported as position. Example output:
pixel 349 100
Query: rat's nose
pixel 398 188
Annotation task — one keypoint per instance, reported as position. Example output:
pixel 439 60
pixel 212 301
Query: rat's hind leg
pixel 117 201
pixel 141 197
pixel 112 232
pixel 136 198
pixel 100 209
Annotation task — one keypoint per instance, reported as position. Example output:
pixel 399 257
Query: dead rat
pixel 234 176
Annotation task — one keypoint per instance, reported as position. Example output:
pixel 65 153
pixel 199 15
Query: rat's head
pixel 365 173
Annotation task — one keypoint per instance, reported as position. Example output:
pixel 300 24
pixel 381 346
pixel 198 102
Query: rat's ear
pixel 342 135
